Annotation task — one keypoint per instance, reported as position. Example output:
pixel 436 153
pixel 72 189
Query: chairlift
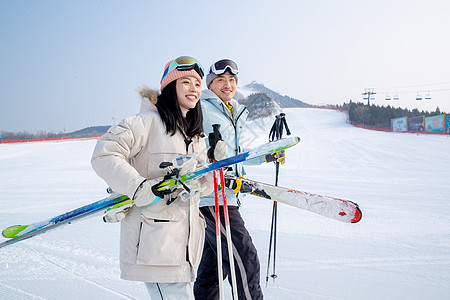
pixel 396 97
pixel 418 97
pixel 388 98
pixel 428 96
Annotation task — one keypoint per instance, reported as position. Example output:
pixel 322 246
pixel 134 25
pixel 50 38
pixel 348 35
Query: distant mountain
pixel 89 131
pixel 260 106
pixel 262 101
pixel 282 101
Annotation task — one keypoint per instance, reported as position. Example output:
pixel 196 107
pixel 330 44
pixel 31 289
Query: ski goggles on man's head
pixel 184 63
pixel 221 67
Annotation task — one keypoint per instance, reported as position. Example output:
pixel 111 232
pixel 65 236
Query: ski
pixel 258 151
pixel 22 232
pixel 117 212
pixel 181 171
pixel 335 208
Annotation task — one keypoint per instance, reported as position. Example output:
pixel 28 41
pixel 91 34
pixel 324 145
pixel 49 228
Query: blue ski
pixel 18 233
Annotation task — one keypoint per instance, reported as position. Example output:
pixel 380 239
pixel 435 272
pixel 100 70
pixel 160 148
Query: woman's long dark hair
pixel 170 112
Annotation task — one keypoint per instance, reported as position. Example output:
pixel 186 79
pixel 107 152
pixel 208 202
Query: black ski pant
pixel 246 258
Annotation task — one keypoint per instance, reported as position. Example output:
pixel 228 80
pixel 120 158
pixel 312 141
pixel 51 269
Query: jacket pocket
pixel 161 243
pixel 196 242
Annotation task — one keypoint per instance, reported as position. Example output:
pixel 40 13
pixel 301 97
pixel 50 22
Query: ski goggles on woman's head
pixel 184 63
pixel 221 67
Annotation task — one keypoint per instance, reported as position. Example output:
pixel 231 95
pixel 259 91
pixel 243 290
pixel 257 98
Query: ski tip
pixel 358 216
pixel 288 142
pixel 13 231
pixel 296 140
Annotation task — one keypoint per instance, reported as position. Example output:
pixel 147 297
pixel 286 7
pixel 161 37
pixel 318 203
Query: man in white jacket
pixel 219 107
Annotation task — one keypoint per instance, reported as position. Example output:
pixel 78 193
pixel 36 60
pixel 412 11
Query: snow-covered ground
pixel 399 250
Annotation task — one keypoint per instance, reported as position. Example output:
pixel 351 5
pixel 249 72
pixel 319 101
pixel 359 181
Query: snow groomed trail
pixel 399 250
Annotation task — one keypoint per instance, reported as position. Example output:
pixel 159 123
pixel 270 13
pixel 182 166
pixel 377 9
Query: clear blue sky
pixel 73 64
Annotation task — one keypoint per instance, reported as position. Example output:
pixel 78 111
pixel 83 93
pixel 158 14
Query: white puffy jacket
pixel 158 242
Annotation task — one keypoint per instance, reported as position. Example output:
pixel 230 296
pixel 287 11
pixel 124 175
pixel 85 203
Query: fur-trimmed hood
pixel 149 98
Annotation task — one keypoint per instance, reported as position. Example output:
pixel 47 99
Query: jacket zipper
pixel 236 147
pixel 189 208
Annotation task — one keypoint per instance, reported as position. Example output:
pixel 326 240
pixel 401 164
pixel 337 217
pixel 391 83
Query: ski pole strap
pixel 274 131
pixel 283 120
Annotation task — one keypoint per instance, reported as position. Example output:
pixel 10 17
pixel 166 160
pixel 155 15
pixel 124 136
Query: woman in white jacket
pixel 160 244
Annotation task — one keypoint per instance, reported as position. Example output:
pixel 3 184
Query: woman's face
pixel 188 90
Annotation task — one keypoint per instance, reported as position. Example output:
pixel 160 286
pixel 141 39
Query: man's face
pixel 224 86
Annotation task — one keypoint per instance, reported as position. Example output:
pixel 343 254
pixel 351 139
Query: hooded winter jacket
pixel 232 126
pixel 158 242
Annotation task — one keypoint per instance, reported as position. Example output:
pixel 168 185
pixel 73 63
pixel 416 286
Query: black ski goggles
pixel 221 67
pixel 184 63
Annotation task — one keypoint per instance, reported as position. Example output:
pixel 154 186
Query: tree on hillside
pixel 380 116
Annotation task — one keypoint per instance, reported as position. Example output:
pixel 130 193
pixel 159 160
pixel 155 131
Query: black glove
pixel 162 192
pixel 233 183
pixel 237 185
pixel 168 191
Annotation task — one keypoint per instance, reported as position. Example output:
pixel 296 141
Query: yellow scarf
pixel 229 105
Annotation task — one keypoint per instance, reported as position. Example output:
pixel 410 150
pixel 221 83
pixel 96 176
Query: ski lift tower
pixel 369 93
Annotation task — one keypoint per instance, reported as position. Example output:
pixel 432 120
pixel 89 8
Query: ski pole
pixel 228 232
pixel 218 237
pixel 212 143
pixel 276 132
pixel 214 137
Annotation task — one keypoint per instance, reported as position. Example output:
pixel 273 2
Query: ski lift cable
pixel 418 85
pixel 393 91
pixel 412 91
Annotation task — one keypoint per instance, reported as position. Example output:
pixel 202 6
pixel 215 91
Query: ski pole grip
pixel 216 131
pixel 213 138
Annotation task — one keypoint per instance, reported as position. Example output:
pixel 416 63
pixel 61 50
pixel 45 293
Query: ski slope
pixel 399 250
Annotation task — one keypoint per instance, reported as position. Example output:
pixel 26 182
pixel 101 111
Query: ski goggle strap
pixel 184 63
pixel 221 66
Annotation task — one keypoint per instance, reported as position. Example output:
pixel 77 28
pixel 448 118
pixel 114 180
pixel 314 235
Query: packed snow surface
pixel 399 250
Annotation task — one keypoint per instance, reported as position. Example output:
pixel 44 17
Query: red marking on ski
pixel 358 216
